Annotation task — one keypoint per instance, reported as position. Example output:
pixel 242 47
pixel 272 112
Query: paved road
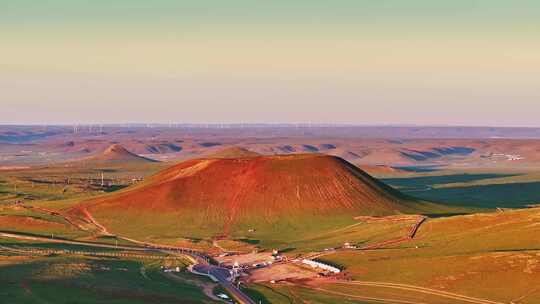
pixel 224 278
pixel 221 274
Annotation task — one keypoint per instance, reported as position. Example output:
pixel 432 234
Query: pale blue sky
pixel 344 61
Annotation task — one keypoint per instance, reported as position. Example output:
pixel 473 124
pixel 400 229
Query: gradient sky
pixel 459 62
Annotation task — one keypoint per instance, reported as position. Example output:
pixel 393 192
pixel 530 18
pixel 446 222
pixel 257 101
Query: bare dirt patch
pixel 281 272
pixel 246 259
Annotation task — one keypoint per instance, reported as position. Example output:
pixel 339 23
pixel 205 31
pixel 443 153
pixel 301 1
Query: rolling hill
pixel 233 152
pixel 224 196
pixel 117 153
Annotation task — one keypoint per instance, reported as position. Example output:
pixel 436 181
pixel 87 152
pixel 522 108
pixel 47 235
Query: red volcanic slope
pixel 224 192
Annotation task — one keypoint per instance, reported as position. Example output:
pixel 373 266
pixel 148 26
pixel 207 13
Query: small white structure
pixel 315 264
pixel 511 157
pixel 235 269
pixel 278 258
pixel 176 269
pixel 348 245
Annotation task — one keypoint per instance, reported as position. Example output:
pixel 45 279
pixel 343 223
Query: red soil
pixel 227 191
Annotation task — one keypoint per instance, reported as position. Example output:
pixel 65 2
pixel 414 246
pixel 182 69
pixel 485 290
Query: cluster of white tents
pixel 315 264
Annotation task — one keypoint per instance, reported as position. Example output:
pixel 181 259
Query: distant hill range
pixel 233 152
pixel 117 153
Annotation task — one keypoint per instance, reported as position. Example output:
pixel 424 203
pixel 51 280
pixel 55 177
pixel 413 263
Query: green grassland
pixel 62 279
pixel 21 244
pixel 77 180
pixel 358 234
pixel 473 188
pixel 303 235
pixel 493 256
pixel 287 293
pixel 469 255
pixel 316 238
pixel 466 254
pixel 37 223
pixel 450 187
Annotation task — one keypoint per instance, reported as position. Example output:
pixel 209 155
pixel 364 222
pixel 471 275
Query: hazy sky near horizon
pixel 459 62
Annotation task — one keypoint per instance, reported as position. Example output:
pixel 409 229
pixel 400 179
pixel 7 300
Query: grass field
pixel 38 223
pixel 465 254
pixel 489 257
pixel 64 279
pixel 70 180
pixel 283 294
pixel 330 293
pixel 469 254
pixel 473 188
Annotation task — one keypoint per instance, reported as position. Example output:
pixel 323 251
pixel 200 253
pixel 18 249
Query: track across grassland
pixel 413 288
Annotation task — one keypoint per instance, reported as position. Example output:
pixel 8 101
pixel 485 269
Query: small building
pixel 315 264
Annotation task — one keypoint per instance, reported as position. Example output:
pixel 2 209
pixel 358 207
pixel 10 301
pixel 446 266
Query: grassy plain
pixel 469 255
pixel 89 280
pixel 466 254
pixel 473 188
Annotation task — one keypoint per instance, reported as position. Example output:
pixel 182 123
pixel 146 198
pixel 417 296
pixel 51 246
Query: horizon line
pixel 251 124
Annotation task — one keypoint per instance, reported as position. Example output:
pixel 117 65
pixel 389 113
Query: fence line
pixel 94 253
